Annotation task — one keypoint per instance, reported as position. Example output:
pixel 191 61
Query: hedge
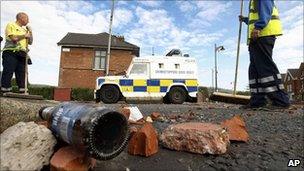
pixel 77 94
pixel 46 92
pixel 82 94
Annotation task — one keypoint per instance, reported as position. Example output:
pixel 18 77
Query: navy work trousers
pixel 13 62
pixel 264 76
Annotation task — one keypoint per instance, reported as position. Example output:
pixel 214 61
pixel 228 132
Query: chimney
pixel 121 38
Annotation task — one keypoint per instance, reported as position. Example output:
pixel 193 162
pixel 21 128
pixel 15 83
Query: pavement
pixel 274 139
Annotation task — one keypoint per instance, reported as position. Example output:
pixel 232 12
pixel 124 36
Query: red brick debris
pixel 144 142
pixel 126 112
pixel 236 129
pixel 70 159
pixel 155 115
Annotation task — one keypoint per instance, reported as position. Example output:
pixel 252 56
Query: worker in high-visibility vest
pixel 18 35
pixel 264 26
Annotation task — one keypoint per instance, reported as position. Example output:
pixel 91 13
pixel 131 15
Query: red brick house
pixel 291 83
pixel 300 76
pixel 83 58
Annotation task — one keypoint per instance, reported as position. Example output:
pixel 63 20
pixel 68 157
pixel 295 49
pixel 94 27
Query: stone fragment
pixel 68 159
pixel 236 129
pixel 144 142
pixel 149 119
pixel 155 115
pixel 126 112
pixel 196 137
pixel 26 146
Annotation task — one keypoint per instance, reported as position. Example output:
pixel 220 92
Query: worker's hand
pixel 27 35
pixel 255 34
pixel 242 18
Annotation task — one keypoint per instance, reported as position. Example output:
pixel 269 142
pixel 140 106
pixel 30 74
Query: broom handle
pixel 238 51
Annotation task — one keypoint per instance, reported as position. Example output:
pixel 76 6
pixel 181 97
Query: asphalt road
pixel 275 137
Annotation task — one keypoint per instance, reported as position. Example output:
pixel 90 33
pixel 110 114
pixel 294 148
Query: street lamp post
pixel 216 49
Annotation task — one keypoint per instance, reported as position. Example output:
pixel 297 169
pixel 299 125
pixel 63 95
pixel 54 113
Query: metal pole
pixel 109 43
pixel 212 79
pixel 215 67
pixel 238 51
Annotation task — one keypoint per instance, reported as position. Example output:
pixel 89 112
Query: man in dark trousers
pixel 17 38
pixel 264 77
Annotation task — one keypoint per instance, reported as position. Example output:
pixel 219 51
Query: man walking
pixel 264 77
pixel 17 39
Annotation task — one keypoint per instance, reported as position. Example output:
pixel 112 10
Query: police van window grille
pixel 99 60
pixel 160 65
pixel 139 69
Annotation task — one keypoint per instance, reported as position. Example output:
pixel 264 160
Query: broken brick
pixel 155 115
pixel 236 128
pixel 69 159
pixel 196 137
pixel 144 142
pixel 126 112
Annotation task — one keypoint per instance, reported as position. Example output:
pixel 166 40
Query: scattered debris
pixel 126 112
pixel 135 114
pixel 144 142
pixel 155 115
pixel 196 137
pixel 236 129
pixel 26 146
pixel 68 158
pixel 149 119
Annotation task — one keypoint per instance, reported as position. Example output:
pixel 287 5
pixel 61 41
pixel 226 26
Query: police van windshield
pixel 139 69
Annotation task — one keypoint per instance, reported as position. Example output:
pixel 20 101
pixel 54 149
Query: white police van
pixel 172 78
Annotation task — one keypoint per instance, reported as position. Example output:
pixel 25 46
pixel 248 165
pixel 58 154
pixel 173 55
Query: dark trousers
pixel 13 62
pixel 264 76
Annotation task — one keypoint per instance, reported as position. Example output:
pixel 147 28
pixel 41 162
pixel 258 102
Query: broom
pixel 233 98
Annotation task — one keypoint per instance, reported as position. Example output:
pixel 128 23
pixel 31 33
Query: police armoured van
pixel 171 78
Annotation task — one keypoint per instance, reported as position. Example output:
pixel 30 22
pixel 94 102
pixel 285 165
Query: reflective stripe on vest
pixel 273 27
pixel 9 45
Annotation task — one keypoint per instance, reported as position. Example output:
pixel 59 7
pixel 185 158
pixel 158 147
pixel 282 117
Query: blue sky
pixel 192 26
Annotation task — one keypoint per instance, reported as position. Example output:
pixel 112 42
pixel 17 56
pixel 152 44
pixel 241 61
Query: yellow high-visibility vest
pixel 274 26
pixel 13 28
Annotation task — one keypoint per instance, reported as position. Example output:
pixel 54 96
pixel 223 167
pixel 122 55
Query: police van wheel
pixel 109 94
pixel 177 95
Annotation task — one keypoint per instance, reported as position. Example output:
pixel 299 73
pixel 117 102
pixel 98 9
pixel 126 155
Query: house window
pixel 100 59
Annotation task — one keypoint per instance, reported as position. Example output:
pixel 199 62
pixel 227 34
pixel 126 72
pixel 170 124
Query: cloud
pixel 151 3
pixel 211 10
pixel 185 6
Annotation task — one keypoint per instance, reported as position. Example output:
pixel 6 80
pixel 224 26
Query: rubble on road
pixel 135 113
pixel 69 158
pixel 196 137
pixel 126 112
pixel 155 115
pixel 144 142
pixel 236 129
pixel 26 146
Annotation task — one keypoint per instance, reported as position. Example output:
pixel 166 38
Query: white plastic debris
pixel 135 114
pixel 149 119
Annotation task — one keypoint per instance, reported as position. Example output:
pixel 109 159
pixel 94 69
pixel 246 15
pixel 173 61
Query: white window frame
pixel 100 56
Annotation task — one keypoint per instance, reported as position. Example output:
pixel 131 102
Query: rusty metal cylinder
pixel 101 131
